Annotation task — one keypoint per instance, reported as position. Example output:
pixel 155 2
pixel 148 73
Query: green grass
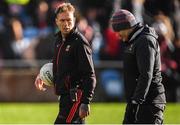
pixel 45 113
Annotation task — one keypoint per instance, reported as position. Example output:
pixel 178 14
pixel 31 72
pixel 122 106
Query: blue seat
pixel 112 82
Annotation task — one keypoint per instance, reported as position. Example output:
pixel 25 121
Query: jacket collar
pixel 73 31
pixel 136 31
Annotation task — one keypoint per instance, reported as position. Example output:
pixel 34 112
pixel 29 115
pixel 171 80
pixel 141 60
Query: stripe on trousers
pixel 74 107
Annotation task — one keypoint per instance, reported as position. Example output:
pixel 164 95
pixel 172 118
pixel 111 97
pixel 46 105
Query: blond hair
pixel 64 7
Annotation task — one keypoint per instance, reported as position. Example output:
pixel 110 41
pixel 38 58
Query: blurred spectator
pixel 170 8
pixel 103 7
pixel 97 38
pixel 6 51
pixel 176 54
pixel 85 29
pixel 176 17
pixel 42 15
pixel 19 44
pixel 169 67
pixel 111 49
pixel 136 7
pixel 44 48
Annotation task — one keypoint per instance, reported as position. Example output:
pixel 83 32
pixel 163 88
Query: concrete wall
pixel 18 85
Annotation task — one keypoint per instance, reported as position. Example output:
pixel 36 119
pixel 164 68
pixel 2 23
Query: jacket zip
pixel 57 61
pixel 67 82
pixel 136 113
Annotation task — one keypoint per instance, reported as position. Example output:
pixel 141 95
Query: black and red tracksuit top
pixel 73 65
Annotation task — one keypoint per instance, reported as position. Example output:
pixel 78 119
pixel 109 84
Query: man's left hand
pixel 84 110
pixel 134 102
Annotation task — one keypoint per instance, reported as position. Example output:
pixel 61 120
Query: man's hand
pixel 84 110
pixel 39 83
pixel 134 102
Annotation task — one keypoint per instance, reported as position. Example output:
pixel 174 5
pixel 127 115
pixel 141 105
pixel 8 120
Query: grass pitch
pixel 45 113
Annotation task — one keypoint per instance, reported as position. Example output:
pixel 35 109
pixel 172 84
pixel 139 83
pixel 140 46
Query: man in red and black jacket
pixel 73 69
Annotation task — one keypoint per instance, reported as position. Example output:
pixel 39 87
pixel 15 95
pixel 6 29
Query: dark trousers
pixel 144 114
pixel 69 111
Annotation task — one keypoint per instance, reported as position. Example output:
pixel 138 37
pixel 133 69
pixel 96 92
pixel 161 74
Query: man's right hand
pixel 84 110
pixel 39 83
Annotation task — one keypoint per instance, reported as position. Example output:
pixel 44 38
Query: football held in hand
pixel 46 74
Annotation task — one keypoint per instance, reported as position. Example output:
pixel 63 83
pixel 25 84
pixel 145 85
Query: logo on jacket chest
pixel 67 48
pixel 130 49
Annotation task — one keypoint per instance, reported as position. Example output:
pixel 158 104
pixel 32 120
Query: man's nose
pixel 65 23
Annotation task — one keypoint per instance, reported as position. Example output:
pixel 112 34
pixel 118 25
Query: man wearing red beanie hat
pixel 145 94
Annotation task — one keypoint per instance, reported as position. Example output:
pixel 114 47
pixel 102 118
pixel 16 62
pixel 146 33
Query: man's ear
pixel 56 21
pixel 74 19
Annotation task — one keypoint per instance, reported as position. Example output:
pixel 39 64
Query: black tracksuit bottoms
pixel 68 110
pixel 144 114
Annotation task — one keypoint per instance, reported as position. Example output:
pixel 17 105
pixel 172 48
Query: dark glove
pixel 84 110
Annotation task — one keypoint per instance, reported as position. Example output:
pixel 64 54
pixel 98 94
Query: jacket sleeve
pixel 145 57
pixel 86 70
